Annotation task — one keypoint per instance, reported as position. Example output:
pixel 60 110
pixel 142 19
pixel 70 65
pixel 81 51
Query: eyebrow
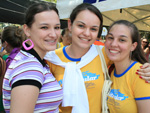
pixel 119 36
pixel 48 24
pixel 85 24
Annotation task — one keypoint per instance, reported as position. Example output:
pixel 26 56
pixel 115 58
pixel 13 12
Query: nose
pixel 86 32
pixel 114 43
pixel 52 33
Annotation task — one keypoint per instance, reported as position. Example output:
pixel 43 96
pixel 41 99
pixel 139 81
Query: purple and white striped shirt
pixel 27 69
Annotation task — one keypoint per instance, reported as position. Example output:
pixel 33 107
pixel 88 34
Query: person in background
pixel 149 53
pixel 2 73
pixel 28 85
pixel 144 44
pixel 3 52
pixel 129 94
pixel 12 38
pixel 65 38
pixel 0 41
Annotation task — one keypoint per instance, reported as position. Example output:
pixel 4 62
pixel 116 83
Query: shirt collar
pixel 35 54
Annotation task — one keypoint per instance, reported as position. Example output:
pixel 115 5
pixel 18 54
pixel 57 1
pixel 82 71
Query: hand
pixel 144 72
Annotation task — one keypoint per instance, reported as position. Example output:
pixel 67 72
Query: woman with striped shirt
pixel 28 84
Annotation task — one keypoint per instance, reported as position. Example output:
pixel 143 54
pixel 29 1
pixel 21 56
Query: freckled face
pixel 118 43
pixel 45 31
pixel 85 29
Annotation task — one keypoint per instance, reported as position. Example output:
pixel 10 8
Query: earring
pixel 24 45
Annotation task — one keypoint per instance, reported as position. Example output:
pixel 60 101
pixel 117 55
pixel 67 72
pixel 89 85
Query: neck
pixel 75 52
pixel 40 53
pixel 122 66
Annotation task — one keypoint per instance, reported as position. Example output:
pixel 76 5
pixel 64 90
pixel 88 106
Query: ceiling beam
pixel 139 9
pixel 140 19
pixel 136 17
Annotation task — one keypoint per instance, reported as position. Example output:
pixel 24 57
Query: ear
pixel 134 45
pixel 26 30
pixel 69 25
pixel 5 44
pixel 61 37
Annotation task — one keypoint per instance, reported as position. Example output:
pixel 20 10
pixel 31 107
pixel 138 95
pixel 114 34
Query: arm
pixel 144 72
pixel 146 51
pixel 25 83
pixel 23 99
pixel 143 106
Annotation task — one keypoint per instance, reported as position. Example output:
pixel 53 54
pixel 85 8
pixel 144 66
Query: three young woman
pixel 30 87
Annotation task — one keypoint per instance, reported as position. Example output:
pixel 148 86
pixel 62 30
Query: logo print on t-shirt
pixel 60 82
pixel 117 95
pixel 88 76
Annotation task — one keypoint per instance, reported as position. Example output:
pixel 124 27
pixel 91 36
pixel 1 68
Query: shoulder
pixel 59 51
pixel 25 60
pixel 136 65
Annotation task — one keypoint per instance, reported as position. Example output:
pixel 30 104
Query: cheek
pixel 58 33
pixel 76 31
pixel 95 34
pixel 107 44
pixel 125 48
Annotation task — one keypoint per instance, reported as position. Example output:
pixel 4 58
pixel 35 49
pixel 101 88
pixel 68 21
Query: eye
pixel 81 26
pixel 44 27
pixel 109 38
pixel 57 27
pixel 94 29
pixel 122 40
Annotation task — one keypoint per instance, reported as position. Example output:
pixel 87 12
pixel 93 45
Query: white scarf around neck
pixel 74 91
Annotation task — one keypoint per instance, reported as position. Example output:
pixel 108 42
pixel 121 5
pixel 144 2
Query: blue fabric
pixel 91 1
pixel 142 98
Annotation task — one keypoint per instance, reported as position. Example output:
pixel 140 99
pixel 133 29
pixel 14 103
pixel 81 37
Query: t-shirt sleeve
pixel 141 89
pixel 30 73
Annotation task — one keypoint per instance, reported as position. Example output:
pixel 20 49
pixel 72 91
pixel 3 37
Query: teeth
pixel 113 51
pixel 85 39
pixel 52 41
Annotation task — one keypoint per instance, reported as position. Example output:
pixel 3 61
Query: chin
pixel 85 46
pixel 51 48
pixel 112 59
